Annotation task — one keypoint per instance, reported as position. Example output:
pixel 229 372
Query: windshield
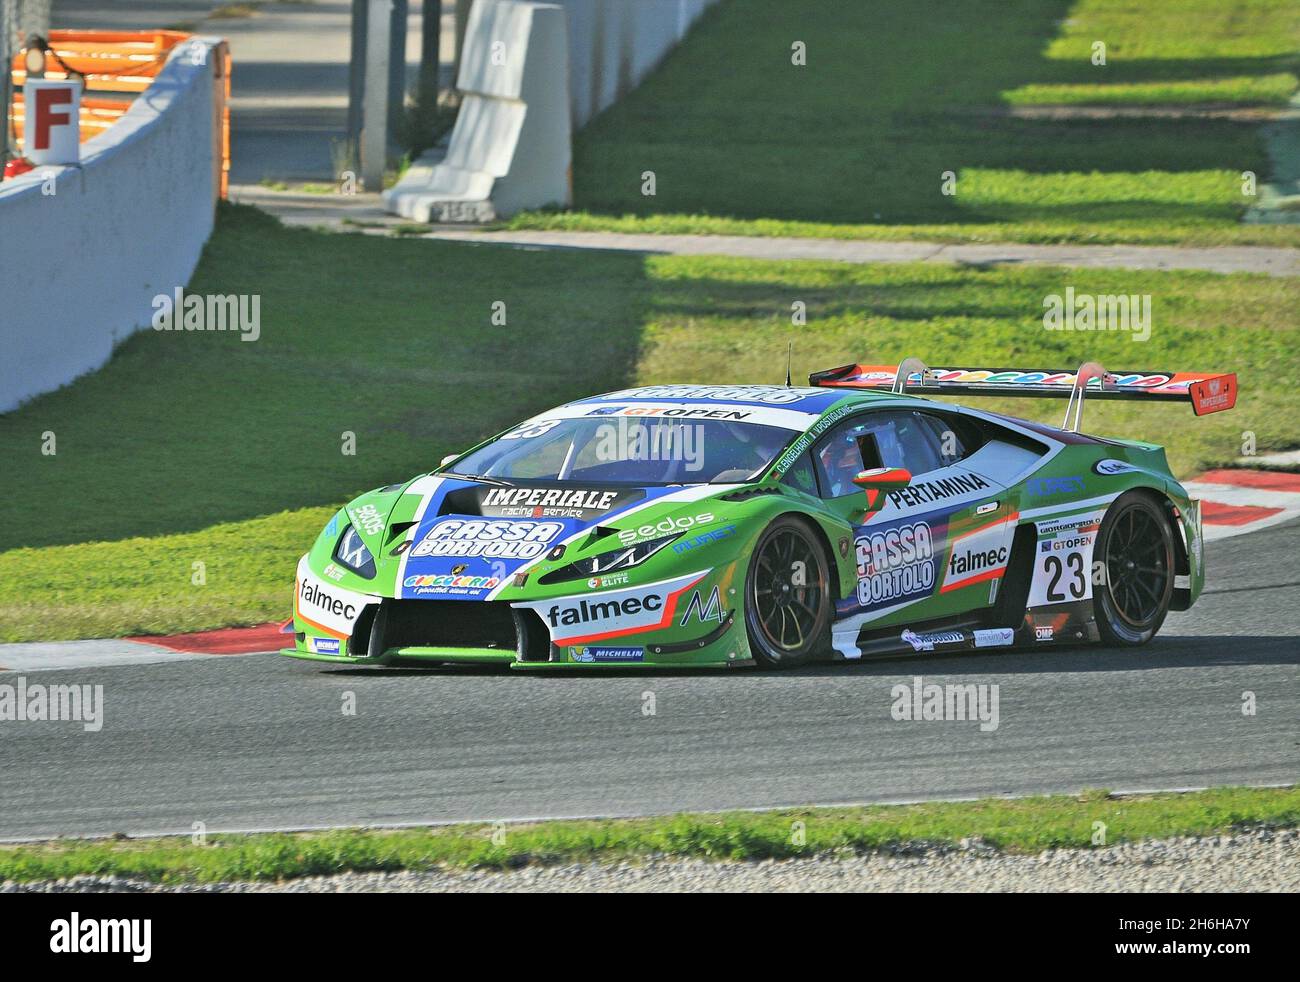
pixel 628 450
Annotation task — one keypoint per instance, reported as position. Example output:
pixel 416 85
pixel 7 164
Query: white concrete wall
pixel 614 44
pixel 80 267
pixel 510 148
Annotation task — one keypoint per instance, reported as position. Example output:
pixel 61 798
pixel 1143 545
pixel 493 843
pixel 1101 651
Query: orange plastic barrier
pixel 125 62
pixel 109 61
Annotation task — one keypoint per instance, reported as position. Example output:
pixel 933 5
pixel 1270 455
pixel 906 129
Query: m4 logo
pixel 701 610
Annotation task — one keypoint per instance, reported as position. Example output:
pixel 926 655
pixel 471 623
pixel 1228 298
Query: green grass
pixel 1026 825
pixel 723 318
pixel 855 143
pixel 1251 90
pixel 194 447
pixel 201 448
pixel 1129 229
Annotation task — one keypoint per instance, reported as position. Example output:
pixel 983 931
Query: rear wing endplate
pixel 1208 392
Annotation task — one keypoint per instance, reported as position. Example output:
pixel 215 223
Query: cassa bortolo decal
pixel 895 563
pixel 477 538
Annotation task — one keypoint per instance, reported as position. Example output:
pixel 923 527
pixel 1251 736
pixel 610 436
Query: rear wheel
pixel 1136 546
pixel 787 595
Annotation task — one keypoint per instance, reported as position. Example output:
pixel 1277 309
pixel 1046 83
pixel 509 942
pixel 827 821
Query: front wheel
pixel 787 595
pixel 1136 548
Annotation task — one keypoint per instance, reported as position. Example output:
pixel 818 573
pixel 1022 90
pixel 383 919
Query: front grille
pixel 449 624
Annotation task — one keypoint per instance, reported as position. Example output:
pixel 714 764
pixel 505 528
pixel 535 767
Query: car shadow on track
pixel 1162 653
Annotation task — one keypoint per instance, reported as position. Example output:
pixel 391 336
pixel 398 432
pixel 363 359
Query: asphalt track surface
pixel 262 742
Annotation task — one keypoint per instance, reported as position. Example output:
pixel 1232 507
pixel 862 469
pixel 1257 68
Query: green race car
pixel 707 525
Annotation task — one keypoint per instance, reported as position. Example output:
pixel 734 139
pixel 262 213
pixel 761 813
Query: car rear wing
pixel 1208 392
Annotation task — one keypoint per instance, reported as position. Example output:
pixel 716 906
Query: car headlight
pixel 352 553
pixel 624 557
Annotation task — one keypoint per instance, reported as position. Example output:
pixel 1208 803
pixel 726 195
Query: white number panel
pixel 1063 559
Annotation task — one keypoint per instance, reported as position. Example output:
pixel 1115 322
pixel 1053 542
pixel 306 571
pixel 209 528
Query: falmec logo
pixel 980 555
pixel 314 596
pixel 576 620
pixel 895 564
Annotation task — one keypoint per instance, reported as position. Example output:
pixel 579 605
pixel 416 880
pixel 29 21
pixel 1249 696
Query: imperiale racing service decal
pixel 553 502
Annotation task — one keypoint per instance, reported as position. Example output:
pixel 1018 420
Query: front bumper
pixel 725 645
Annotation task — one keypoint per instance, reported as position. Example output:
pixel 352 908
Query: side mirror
pixel 448 459
pixel 879 481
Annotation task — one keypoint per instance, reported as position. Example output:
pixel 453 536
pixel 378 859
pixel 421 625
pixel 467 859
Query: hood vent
pixel 744 494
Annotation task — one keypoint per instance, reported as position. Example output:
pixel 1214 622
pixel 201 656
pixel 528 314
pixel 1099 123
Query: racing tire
pixel 1136 547
pixel 788 605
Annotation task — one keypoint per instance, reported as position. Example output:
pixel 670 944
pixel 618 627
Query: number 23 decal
pixel 530 430
pixel 1062 571
pixel 1062 580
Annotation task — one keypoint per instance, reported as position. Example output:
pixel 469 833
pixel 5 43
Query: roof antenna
pixel 789 353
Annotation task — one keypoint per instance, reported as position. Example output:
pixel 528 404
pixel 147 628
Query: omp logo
pixel 490 539
pixel 895 564
pixel 102 935
pixel 316 597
